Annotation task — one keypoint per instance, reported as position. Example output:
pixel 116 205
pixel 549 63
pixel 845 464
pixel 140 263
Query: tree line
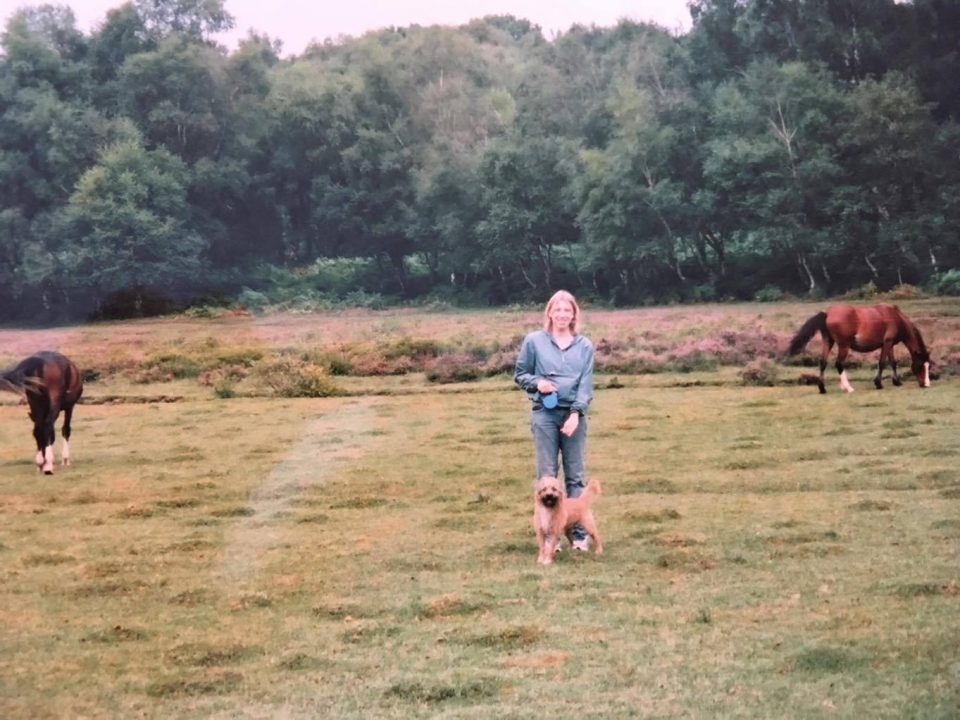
pixel 807 147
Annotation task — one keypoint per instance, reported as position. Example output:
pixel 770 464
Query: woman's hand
pixel 545 387
pixel 571 424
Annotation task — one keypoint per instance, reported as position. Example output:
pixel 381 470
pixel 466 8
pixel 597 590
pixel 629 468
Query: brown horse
pixel 864 330
pixel 51 383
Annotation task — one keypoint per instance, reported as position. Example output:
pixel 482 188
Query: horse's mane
pixel 909 324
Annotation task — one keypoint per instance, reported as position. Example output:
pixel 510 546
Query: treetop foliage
pixel 780 146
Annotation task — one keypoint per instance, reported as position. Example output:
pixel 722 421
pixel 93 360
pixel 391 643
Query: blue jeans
pixel 550 444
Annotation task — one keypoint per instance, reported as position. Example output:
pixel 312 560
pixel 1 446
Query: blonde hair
pixel 557 297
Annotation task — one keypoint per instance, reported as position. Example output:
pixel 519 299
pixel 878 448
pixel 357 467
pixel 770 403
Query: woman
pixel 555 367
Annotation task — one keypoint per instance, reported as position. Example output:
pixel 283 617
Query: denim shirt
pixel 571 370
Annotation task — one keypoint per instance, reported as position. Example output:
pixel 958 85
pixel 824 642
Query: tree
pixel 178 95
pixel 127 228
pixel 528 211
pixel 195 19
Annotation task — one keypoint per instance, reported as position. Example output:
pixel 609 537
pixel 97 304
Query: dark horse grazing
pixel 51 383
pixel 865 330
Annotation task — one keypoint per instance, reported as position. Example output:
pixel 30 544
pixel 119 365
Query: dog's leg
pixel 590 525
pixel 550 549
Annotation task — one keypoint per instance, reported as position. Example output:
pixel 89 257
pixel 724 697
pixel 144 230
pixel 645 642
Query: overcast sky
pixel 297 22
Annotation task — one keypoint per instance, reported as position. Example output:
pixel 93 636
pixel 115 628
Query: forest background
pixel 778 148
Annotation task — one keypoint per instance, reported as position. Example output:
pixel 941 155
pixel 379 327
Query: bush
pixel 769 293
pixel 761 372
pixel 946 283
pixel 252 300
pixel 293 377
pixel 904 291
pixel 175 365
pixel 455 367
pixel 413 349
pixel 864 292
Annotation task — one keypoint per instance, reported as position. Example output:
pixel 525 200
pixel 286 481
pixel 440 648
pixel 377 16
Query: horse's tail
pixel 818 323
pixel 15 380
pixel 12 380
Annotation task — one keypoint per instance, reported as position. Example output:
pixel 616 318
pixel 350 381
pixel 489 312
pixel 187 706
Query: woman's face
pixel 562 315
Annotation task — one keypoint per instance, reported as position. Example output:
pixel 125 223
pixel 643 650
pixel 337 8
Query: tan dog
pixel 554 514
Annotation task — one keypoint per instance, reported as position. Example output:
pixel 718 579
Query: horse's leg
pixel 40 435
pixel 885 352
pixel 65 444
pixel 826 347
pixel 892 358
pixel 842 352
pixel 38 414
pixel 50 434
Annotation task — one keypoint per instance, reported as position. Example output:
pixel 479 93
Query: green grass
pixel 770 552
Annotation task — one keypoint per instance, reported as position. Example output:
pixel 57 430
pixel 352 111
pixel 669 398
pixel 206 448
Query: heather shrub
pixel 761 372
pixel 227 374
pixel 242 356
pixel 636 362
pixel 501 361
pixel 729 348
pixel 904 291
pixel 172 364
pixel 293 377
pixel 412 348
pixel 453 367
pixel 864 292
pixel 694 360
pixel 152 374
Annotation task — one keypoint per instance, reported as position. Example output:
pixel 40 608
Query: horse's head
pixel 924 369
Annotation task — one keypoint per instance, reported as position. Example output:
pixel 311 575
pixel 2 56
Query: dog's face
pixel 549 491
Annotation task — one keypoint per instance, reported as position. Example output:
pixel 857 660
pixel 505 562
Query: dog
pixel 554 514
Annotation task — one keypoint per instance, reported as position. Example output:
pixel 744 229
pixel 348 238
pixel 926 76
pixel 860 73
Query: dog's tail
pixel 593 489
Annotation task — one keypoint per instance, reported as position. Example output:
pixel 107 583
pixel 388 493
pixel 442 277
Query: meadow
pixel 224 547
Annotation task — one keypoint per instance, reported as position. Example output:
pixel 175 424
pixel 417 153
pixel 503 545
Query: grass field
pixel 770 552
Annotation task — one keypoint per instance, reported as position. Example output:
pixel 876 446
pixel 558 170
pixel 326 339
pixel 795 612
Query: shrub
pixel 904 291
pixel 252 300
pixel 946 283
pixel 864 292
pixel 294 377
pixel 769 293
pixel 175 365
pixel 761 372
pixel 454 367
pixel 411 348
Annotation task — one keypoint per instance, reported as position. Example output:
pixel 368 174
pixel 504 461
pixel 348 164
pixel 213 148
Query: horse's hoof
pixel 48 472
pixel 898 382
pixel 878 385
pixel 823 390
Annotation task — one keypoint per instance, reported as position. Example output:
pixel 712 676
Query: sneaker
pixel 583 544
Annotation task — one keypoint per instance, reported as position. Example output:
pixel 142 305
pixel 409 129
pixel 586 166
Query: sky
pixel 298 22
